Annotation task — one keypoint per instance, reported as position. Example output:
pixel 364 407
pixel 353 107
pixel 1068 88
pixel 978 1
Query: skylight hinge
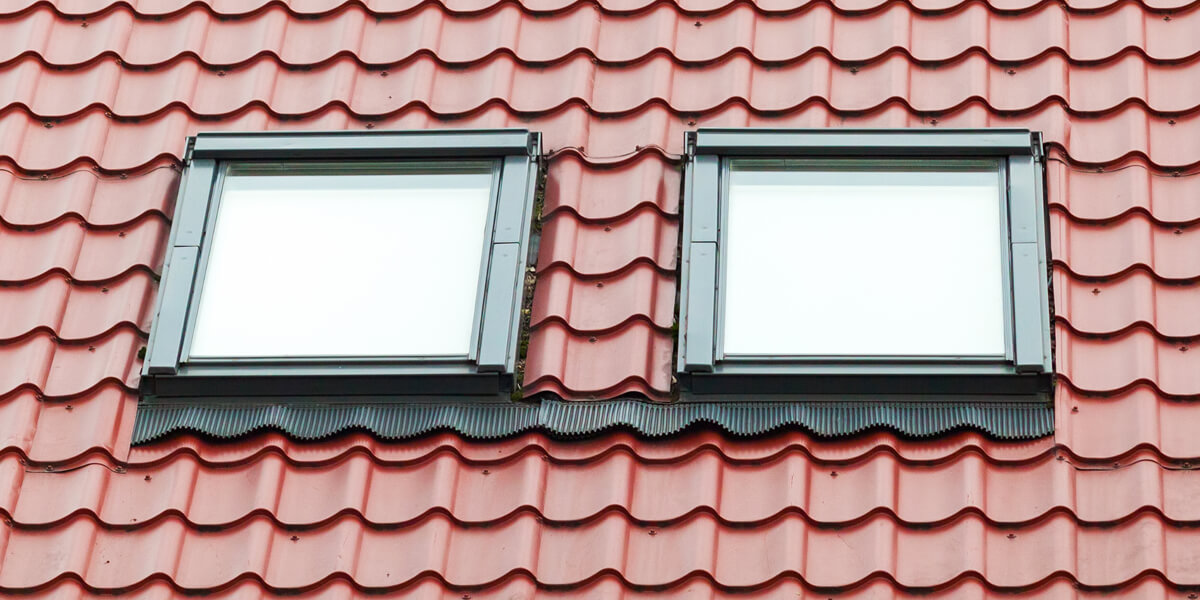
pixel 689 150
pixel 187 152
pixel 535 145
pixel 1036 147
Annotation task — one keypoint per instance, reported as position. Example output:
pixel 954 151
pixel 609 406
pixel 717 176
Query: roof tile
pixel 1110 307
pixel 103 202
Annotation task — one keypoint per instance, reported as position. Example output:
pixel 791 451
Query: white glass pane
pixel 344 265
pixel 863 263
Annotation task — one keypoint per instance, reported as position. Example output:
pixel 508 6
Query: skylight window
pixel 864 261
pixel 844 264
pixel 344 265
pixel 322 262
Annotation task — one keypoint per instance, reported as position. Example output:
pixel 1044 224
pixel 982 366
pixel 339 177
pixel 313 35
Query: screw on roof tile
pixel 599 284
pixel 122 234
pixel 933 122
pixel 1095 291
pixel 1012 536
pixel 220 73
pixel 147 478
pixel 108 114
pixel 1176 173
pixel 854 70
pixel 1170 121
pixel 1178 231
pixel 1074 409
pixel 85 24
pixel 1183 348
pixel 652 532
pixel 1011 71
pixel 466 597
pixel 70 408
pixel 691 122
pixel 44 177
pixel 91 348
pixel 592 340
pixel 698 24
pixel 383 73
pixel 103 290
pixel 295 538
pixel 1165 18
pixel 370 126
pixel 487 472
pixel 833 473
pixel 48 125
pixel 1192 596
pixel 608 229
pixel 1060 458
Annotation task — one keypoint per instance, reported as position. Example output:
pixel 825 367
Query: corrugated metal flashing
pixel 1009 421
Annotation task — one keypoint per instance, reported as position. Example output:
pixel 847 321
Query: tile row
pixel 1151 586
pixel 1129 133
pixel 651 555
pixel 312 8
pixel 297 497
pixel 53 93
pixel 430 28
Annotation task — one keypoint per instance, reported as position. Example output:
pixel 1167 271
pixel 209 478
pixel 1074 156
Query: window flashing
pixel 1023 373
pixel 489 368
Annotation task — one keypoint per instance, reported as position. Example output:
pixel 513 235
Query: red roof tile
pixel 96 110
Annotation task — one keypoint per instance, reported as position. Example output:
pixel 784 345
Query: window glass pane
pixel 834 261
pixel 367 262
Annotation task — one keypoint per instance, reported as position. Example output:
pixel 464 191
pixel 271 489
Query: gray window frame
pixel 1024 373
pixel 486 373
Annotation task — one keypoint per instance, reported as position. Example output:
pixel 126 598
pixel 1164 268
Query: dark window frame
pixel 1024 374
pixel 487 373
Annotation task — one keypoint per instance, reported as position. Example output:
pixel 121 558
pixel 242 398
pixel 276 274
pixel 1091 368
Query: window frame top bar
pixel 860 142
pixel 285 145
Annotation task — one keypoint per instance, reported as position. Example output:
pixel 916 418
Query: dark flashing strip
pixel 558 418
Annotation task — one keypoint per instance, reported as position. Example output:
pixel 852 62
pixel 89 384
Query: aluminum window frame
pixel 486 373
pixel 1026 370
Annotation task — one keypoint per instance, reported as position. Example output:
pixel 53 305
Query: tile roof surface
pixel 98 97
